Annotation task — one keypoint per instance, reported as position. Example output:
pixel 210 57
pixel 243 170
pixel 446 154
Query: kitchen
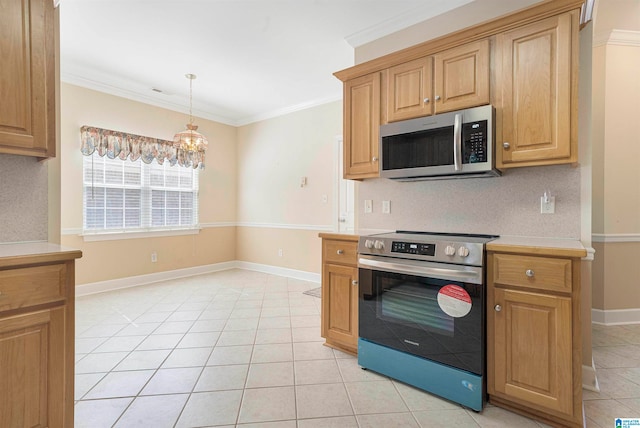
pixel 256 242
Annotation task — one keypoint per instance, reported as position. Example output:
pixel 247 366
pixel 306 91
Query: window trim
pixel 146 231
pixel 137 234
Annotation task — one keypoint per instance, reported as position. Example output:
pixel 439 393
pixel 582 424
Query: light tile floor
pixel 242 348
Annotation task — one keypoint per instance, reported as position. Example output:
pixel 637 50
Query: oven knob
pixel 379 245
pixel 450 250
pixel 463 251
pixel 368 243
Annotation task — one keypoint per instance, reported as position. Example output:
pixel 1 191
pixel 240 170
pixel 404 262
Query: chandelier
pixel 190 145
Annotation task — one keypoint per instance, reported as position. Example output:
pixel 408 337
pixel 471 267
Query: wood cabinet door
pixel 361 125
pixel 537 76
pixel 531 347
pixel 410 86
pixel 27 77
pixel 340 305
pixel 31 369
pixel 462 77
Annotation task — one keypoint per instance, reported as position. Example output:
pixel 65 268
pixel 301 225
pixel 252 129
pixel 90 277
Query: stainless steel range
pixel 422 311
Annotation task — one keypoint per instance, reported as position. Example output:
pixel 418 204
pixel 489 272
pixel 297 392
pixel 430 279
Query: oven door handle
pixel 471 274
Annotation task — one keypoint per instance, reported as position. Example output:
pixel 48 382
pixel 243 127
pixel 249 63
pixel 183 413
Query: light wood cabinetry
pixel 461 77
pixel 361 126
pixel 27 77
pixel 533 333
pixel 525 64
pixel 410 90
pixel 36 336
pixel 454 79
pixel 339 318
pixel 537 77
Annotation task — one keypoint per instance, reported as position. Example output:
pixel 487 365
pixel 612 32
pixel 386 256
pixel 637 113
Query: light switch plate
pixel 386 207
pixel 368 206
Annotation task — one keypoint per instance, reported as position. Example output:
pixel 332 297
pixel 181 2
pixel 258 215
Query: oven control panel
pixel 413 248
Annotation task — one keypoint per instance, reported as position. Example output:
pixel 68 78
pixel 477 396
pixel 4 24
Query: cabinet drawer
pixel 24 287
pixel 532 272
pixel 343 252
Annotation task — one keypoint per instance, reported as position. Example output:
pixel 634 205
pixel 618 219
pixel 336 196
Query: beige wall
pixel 616 205
pixel 616 147
pixel 462 17
pixel 252 178
pixel 274 211
pixel 104 260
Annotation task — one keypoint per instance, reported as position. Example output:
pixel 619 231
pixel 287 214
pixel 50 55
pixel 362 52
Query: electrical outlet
pixel 548 207
pixel 386 207
pixel 325 198
pixel 279 252
pixel 154 257
pixel 368 206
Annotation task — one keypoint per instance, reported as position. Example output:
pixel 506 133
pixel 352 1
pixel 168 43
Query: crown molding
pixel 617 38
pixel 427 11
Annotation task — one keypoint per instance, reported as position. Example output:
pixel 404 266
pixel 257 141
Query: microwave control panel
pixel 413 248
pixel 474 142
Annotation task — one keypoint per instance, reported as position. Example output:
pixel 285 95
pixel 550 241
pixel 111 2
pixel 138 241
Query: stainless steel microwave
pixel 458 144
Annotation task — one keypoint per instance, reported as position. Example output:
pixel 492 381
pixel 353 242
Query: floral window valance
pixel 115 144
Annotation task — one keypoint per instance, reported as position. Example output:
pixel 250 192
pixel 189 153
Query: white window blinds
pixel 134 196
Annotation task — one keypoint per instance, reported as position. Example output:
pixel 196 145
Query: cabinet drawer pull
pixel 340 252
pixel 506 145
pixel 529 273
pixel 498 308
pixel 354 282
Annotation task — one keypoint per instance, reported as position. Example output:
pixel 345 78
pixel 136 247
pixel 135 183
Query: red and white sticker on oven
pixel 454 301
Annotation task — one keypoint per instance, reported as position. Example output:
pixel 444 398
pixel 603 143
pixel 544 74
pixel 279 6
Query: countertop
pixel 35 252
pixel 537 245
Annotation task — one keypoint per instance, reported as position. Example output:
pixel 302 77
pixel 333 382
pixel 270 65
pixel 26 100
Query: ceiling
pixel 254 59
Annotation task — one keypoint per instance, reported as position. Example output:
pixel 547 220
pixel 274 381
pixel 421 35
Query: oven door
pixel 432 310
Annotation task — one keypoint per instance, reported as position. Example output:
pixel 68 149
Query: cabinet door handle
pixel 375 159
pixel 498 308
pixel 354 282
pixel 426 100
pixel 506 145
pixel 340 252
pixel 530 273
pixel 437 97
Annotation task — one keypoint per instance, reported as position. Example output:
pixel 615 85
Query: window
pixel 125 196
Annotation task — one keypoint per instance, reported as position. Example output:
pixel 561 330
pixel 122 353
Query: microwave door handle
pixel 457 142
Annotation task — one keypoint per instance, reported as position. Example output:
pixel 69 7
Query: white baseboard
pixel 133 281
pixel 615 316
pixel 280 271
pixel 589 378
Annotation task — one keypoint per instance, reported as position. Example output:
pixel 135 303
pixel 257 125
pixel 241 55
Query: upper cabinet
pixel 410 90
pixel 361 126
pixel 462 77
pixel 537 75
pixel 524 64
pixel 450 80
pixel 27 77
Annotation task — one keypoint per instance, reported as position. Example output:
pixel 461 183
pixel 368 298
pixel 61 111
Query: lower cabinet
pixel 37 290
pixel 533 336
pixel 32 351
pixel 339 318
